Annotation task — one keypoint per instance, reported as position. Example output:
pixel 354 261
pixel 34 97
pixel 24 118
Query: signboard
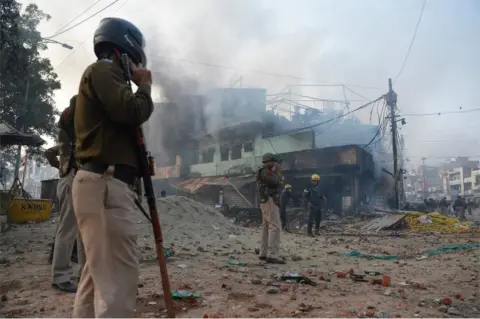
pixel 31 210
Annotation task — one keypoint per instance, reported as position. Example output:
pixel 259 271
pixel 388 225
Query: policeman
pixel 285 198
pixel 67 230
pixel 268 184
pixel 107 115
pixel 315 200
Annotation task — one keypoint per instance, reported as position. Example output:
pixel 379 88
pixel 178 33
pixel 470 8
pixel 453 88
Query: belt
pixel 123 173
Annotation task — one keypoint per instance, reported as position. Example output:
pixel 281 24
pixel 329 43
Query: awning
pixel 194 184
pixel 10 136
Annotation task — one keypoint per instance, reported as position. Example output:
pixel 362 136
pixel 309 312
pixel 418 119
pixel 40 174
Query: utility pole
pixel 392 103
pixel 424 178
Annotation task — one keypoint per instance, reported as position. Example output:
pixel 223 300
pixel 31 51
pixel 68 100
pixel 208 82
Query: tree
pixel 28 80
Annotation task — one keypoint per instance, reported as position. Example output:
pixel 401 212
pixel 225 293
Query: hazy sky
pixel 355 42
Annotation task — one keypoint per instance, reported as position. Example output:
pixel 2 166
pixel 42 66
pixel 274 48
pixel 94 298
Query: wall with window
pixel 243 157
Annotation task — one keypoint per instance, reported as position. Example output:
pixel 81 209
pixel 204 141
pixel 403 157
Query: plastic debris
pixel 180 294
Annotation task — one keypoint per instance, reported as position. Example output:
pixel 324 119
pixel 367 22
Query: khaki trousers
pixel 67 232
pixel 105 210
pixel 270 241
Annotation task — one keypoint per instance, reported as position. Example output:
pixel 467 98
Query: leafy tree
pixel 28 80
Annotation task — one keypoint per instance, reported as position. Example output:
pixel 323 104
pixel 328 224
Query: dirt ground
pixel 446 285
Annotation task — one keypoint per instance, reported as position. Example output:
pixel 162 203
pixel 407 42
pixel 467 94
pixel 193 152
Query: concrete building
pixel 216 161
pixel 459 177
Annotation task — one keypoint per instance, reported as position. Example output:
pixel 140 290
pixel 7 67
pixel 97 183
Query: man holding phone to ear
pixel 107 114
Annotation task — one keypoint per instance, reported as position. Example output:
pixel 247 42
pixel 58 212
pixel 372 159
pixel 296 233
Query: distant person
pixel 315 200
pixel 268 184
pixel 443 205
pixel 163 193
pixel 285 198
pixel 459 207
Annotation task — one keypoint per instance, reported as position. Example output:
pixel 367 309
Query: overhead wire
pixel 411 42
pixel 74 19
pixel 258 72
pixel 335 118
pixel 442 113
pixel 83 43
pixel 84 20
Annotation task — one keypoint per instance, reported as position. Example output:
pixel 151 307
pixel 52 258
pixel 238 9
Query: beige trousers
pixel 270 241
pixel 105 210
pixel 67 232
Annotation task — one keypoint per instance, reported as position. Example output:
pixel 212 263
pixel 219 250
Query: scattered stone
pixel 293 297
pixel 42 309
pixel 446 301
pixel 255 281
pixel 284 288
pixel 252 309
pixel 4 298
pixel 273 291
pixel 296 258
pixel 140 285
pixel 453 311
pixel 201 249
pixel 387 292
pixel 4 260
pixel 443 308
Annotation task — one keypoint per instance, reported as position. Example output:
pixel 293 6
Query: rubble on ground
pixel 187 225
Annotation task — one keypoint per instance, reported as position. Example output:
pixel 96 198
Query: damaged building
pixel 211 146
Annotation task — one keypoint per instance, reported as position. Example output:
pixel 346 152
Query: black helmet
pixel 116 33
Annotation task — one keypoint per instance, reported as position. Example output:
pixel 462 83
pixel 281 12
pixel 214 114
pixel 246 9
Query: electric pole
pixel 392 103
pixel 424 178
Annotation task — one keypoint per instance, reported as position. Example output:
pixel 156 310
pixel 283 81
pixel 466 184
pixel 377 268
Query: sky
pixel 359 43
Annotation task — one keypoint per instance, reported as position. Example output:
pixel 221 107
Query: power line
pixel 411 42
pixel 83 43
pixel 74 19
pixel 258 72
pixel 84 20
pixel 335 118
pixel 442 113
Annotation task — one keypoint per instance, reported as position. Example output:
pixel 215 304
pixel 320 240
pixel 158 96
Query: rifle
pixel 147 169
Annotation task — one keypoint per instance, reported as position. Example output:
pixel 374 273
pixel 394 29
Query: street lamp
pixel 22 128
pixel 66 46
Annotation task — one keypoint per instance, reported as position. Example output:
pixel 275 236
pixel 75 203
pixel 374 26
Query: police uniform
pixel 315 198
pixel 67 230
pixel 268 185
pixel 107 116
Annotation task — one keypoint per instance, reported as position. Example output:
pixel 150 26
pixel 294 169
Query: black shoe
pixel 317 233
pixel 262 258
pixel 65 287
pixel 271 260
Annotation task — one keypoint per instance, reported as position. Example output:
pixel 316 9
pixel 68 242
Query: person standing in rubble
pixel 67 231
pixel 443 205
pixel 285 198
pixel 460 206
pixel 315 201
pixel 269 182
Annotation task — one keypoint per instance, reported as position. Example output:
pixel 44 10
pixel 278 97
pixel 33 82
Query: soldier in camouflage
pixel 269 183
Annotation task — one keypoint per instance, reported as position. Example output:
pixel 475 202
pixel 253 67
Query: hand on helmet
pixel 141 75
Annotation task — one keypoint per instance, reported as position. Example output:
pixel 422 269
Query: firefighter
pixel 285 198
pixel 315 201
